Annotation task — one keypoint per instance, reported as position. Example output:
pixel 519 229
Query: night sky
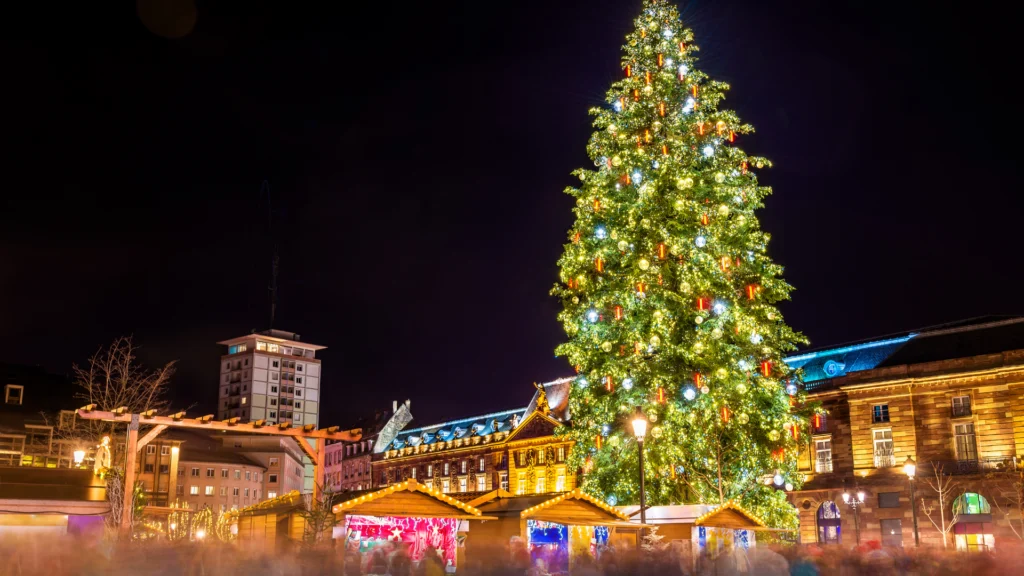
pixel 417 156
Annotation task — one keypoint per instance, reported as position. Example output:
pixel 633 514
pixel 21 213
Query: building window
pixel 275 364
pixel 298 367
pixel 445 486
pixel 561 453
pixel 823 455
pixel 966 446
pixel 298 392
pixel 271 494
pixel 560 482
pixel 209 473
pixel 248 475
pixel 521 484
pixel 540 456
pixel 971 503
pixel 223 472
pixel 237 348
pixel 193 490
pixel 462 484
pixel 180 490
pixel 481 483
pixel 430 470
pixel 234 491
pixel 885 457
pixel 261 345
pixel 413 472
pixel 522 458
pixel 819 423
pixel 209 490
pixel 165 450
pixel 961 406
pixel 888 499
pixel 829 523
pixel 298 380
pixel 445 468
pixel 150 449
pixel 462 466
pixel 298 404
pixel 541 486
pixel 273 401
pixel 892 532
pixel 165 468
pixel 13 394
pixel 246 492
pixel 195 472
pixel 223 490
pixel 181 472
pixel 273 414
pixel 880 413
pixel 272 478
pixel 238 474
pixel 482 464
pixel 503 478
pixel 148 467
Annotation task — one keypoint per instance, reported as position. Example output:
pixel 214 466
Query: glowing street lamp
pixel 855 502
pixel 910 469
pixel 79 457
pixel 640 430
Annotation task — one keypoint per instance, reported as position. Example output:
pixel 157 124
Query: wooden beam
pixel 151 435
pixel 249 428
pixel 129 475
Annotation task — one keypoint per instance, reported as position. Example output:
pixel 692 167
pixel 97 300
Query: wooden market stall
pixel 725 528
pixel 273 524
pixel 555 530
pixel 408 513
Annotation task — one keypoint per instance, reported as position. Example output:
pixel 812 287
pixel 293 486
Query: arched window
pixel 829 523
pixel 971 503
pixel 973 528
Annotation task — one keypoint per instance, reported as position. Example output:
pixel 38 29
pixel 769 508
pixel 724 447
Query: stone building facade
pixel 949 397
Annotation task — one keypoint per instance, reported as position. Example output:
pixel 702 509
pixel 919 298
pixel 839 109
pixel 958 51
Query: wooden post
pixel 129 475
pixel 319 482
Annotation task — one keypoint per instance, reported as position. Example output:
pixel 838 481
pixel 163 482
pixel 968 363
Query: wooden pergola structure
pixel 311 441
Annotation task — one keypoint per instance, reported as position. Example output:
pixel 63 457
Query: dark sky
pixel 417 156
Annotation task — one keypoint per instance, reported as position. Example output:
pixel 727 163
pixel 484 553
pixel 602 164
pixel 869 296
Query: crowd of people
pixel 38 556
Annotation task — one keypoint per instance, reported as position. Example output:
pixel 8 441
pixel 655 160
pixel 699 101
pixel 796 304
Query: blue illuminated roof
pixel 463 428
pixel 835 362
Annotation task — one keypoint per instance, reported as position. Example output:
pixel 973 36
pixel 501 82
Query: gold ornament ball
pixel 704 389
pixel 741 388
pixel 575 299
pixel 685 288
pixel 741 220
pixel 643 264
pixel 721 372
pixel 648 89
pixel 614 235
pixel 656 126
pixel 773 435
pixel 717 333
pixel 613 440
pixel 655 340
pixel 685 183
pixel 623 245
pixel 699 320
pixel 743 418
pixel 616 161
pixel 723 210
pixel 657 315
pixel 653 416
pixel 606 346
pixel 680 205
pixel 771 315
pixel 719 177
pixel 656 432
pixel 612 129
pixel 698 347
pixel 759 164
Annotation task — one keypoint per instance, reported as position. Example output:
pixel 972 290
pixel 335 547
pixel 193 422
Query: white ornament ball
pixel 685 287
pixel 704 389
pixel 699 320
pixel 723 210
pixel 685 183
pixel 655 340
pixel 623 245
pixel 643 264
pixel 743 418
pixel 717 333
pixel 719 177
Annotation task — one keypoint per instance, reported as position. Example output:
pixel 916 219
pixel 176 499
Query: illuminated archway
pixel 829 523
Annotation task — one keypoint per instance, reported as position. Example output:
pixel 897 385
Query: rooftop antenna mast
pixel 275 259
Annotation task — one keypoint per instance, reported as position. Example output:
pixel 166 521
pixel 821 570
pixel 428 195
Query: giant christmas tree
pixel 669 296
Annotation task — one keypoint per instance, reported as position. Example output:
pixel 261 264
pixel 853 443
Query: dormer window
pixel 14 394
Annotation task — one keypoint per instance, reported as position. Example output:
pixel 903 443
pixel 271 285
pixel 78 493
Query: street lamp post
pixel 640 430
pixel 855 502
pixel 910 469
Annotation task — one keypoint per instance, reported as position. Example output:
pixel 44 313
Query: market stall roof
pixel 284 503
pixel 730 515
pixel 577 508
pixel 409 499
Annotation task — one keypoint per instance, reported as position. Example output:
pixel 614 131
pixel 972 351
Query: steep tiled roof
pixel 455 429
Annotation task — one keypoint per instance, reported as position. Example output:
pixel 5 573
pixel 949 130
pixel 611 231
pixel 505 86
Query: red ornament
pixel 700 128
pixel 599 264
pixel 779 453
pixel 698 379
pixel 597 204
pixel 682 48
pixel 647 76
pixel 629 71
pixel 704 219
pixel 618 312
pixel 638 348
pixel 661 60
pixel 743 166
pixel 725 263
pixel 694 90
pixel 597 441
pixel 609 384
pixel 572 284
pixel 720 127
pixel 702 303
pixel 636 95
pixel 641 287
pixel 726 413
pixel 647 136
pixel 661 108
pixel 579 368
pixel 732 136
pixel 664 149
pixel 661 395
pixel 817 421
pixel 796 432
pixel 766 368
pixel 752 291
pixel 662 251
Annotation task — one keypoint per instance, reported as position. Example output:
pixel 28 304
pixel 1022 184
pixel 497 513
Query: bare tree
pixel 946 489
pixel 113 378
pixel 1007 495
pixel 320 519
pixel 115 496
